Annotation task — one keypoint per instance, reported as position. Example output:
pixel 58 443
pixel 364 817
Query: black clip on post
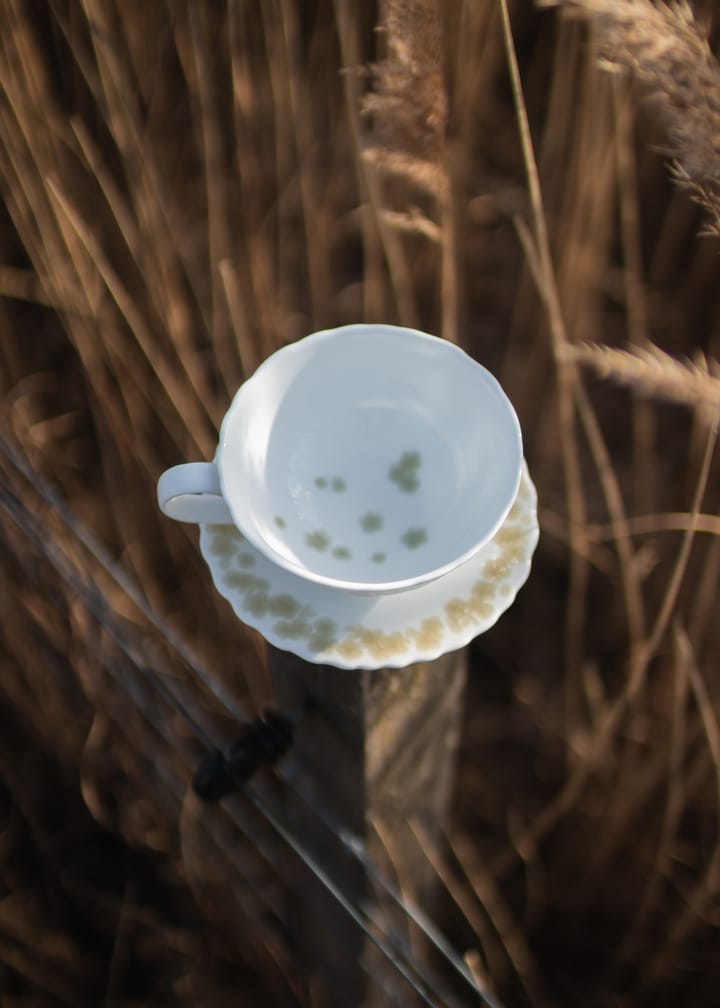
pixel 264 742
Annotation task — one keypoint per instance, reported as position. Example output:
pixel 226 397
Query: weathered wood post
pixel 377 751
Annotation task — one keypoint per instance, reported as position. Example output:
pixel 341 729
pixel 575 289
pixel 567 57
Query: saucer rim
pixel 412 656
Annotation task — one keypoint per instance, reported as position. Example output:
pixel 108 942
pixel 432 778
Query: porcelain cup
pixel 367 458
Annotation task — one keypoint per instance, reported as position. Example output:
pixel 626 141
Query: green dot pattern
pixel 404 472
pixel 371 521
pixel 318 540
pixel 414 537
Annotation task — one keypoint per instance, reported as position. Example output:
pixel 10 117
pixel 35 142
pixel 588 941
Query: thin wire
pixel 96 605
pixel 120 577
pixel 99 609
pixel 358 916
pixel 355 846
pixel 28 526
pixel 417 916
pixel 180 793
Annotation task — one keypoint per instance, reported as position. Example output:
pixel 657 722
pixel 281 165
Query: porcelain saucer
pixel 332 627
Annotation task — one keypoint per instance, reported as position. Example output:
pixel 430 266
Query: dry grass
pixel 188 186
pixel 652 372
pixel 664 49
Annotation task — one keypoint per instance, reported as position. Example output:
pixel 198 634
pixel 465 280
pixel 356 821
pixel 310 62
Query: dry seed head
pixel 426 175
pixel 651 372
pixel 661 45
pixel 409 106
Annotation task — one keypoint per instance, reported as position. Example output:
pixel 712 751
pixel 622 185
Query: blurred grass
pixel 183 192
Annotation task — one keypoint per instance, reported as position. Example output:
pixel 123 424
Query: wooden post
pixel 376 751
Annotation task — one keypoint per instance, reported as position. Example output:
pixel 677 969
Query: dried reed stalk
pixel 661 45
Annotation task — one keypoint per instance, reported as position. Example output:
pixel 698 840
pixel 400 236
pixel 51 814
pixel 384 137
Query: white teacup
pixel 368 458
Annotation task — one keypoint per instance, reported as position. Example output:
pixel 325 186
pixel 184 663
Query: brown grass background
pixel 188 185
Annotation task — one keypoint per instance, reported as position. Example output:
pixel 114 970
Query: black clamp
pixel 263 744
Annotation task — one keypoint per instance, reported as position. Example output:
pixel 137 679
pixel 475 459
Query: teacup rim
pixel 369 588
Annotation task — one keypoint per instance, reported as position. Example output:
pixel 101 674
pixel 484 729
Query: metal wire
pixel 355 846
pixel 412 972
pixel 95 603
pixel 14 509
pixel 361 918
pixel 179 795
pixel 119 576
pixel 417 916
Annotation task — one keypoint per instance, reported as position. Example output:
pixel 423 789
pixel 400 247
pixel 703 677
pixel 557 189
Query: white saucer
pixel 340 628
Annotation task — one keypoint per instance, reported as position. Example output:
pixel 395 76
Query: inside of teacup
pixel 362 496
pixel 372 460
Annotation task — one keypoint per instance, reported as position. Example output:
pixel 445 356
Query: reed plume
pixel 408 106
pixel 652 372
pixel 405 118
pixel 662 47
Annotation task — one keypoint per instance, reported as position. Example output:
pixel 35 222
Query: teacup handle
pixel 191 493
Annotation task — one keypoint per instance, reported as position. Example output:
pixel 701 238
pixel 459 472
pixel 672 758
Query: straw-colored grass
pixel 669 56
pixel 186 187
